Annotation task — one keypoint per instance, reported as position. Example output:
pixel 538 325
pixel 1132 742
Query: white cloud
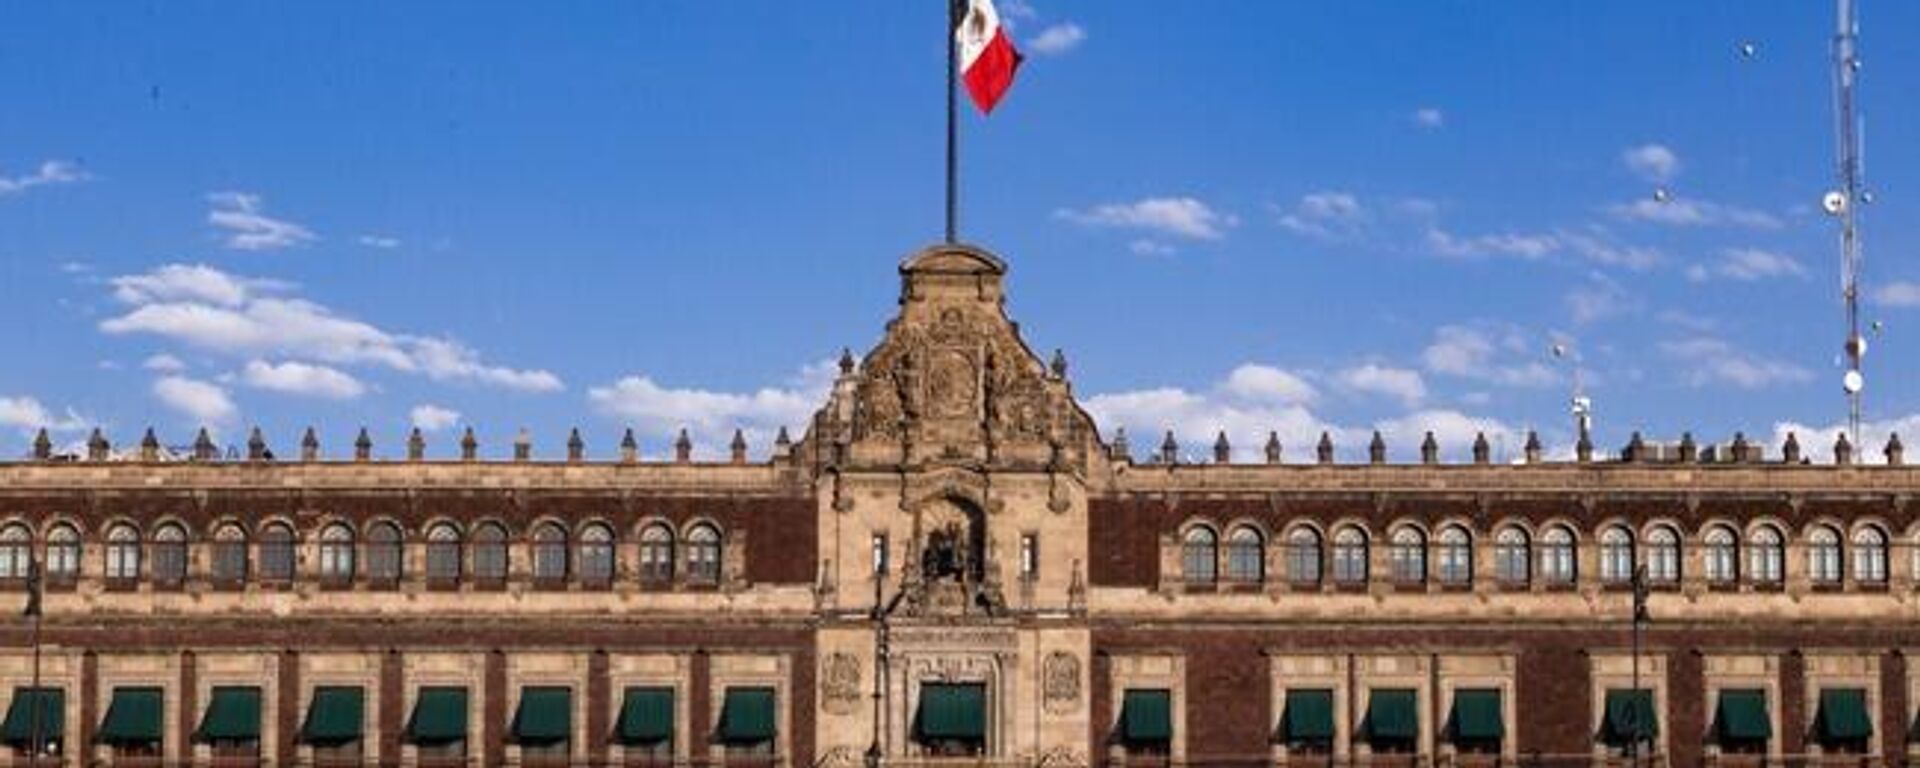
pixel 1707 361
pixel 28 415
pixel 1899 293
pixel 1147 247
pixel 432 418
pixel 1326 215
pixel 381 242
pixel 1497 355
pixel 1816 441
pixel 164 363
pixel 1747 265
pixel 1653 162
pixel 296 378
pixel 1016 9
pixel 710 417
pixel 250 318
pixel 1609 254
pixel 1429 117
pixel 1174 216
pixel 1057 39
pixel 1686 212
pixel 1524 246
pixel 1264 383
pixel 204 402
pixel 49 172
pixel 1400 383
pixel 247 228
pixel 1601 297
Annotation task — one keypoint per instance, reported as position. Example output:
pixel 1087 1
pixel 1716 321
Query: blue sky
pixel 1234 215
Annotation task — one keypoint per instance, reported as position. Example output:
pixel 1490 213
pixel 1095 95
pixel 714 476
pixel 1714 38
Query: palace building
pixel 951 565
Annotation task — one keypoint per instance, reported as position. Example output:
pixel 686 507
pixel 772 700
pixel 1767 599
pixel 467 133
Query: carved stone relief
pixel 840 683
pixel 1060 682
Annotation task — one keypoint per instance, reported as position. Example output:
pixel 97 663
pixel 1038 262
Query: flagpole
pixel 37 699
pixel 953 130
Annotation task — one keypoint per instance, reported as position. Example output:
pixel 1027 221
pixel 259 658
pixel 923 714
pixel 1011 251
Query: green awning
pixel 1629 712
pixel 232 715
pixel 947 711
pixel 1146 716
pixel 20 724
pixel 134 717
pixel 545 716
pixel 747 716
pixel 646 716
pixel 1308 717
pixel 1476 716
pixel 1842 717
pixel 335 715
pixel 1742 716
pixel 1393 714
pixel 439 716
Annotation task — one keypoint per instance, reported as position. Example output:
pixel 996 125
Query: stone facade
pixel 952 566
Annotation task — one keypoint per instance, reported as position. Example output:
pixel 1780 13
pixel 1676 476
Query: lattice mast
pixel 1843 202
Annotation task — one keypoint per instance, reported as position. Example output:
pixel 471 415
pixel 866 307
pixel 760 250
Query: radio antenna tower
pixel 1842 202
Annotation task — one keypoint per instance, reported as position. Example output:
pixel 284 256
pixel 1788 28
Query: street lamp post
pixel 1636 728
pixel 37 700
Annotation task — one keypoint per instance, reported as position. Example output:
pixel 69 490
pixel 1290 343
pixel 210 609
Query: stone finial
pixel 1790 450
pixel 257 446
pixel 629 447
pixel 1741 448
pixel 1222 450
pixel 683 447
pixel 1842 450
pixel 309 446
pixel 42 445
pixel 523 445
pixel 576 447
pixel 416 445
pixel 737 448
pixel 1482 451
pixel 97 446
pixel 1323 452
pixel 1120 449
pixel 1273 447
pixel 1429 449
pixel 1583 448
pixel 1689 450
pixel 363 446
pixel 149 446
pixel 1169 449
pixel 1377 449
pixel 846 361
pixel 1896 453
pixel 1059 364
pixel 203 447
pixel 782 444
pixel 1636 448
pixel 469 445
pixel 1532 449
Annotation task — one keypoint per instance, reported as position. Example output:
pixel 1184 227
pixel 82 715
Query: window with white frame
pixel 63 554
pixel 1455 556
pixel 277 552
pixel 170 554
pixel 1616 555
pixel 1559 564
pixel 491 560
pixel 703 554
pixel 1823 556
pixel 1350 556
pixel 656 554
pixel 385 553
pixel 336 553
pixel 1721 555
pixel 1870 555
pixel 1199 555
pixel 1766 555
pixel 16 551
pixel 549 553
pixel 230 554
pixel 1512 562
pixel 1303 556
pixel 1246 556
pixel 596 555
pixel 1407 555
pixel 1663 556
pixel 443 553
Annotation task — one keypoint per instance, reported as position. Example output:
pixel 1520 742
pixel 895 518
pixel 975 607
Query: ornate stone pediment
pixel 952 382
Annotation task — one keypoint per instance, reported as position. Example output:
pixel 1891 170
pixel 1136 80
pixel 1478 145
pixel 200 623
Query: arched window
pixel 1246 556
pixel 656 554
pixel 1512 562
pixel 123 553
pixel 230 555
pixel 596 555
pixel 1455 556
pixel 1663 556
pixel 278 546
pixel 1766 556
pixel 1303 557
pixel 63 554
pixel 1870 556
pixel 385 550
pixel 336 553
pixel 703 554
pixel 1823 556
pixel 1722 556
pixel 443 554
pixel 1199 553
pixel 1559 556
pixel 170 555
pixel 1350 556
pixel 16 551
pixel 549 553
pixel 490 559
pixel 1407 555
pixel 1616 555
